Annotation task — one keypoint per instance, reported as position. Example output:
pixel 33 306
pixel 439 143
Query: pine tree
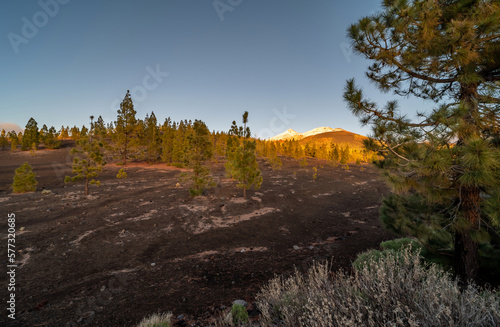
pixel 84 132
pixel 3 139
pixel 125 127
pixel 199 150
pixel 446 52
pixel 334 154
pixel 100 131
pixel 167 140
pixel 64 133
pixel 152 138
pixel 50 140
pixel 75 133
pixel 179 144
pixel 345 155
pixel 31 135
pixel 24 179
pixel 14 140
pixel 20 138
pixel 87 162
pixel 242 159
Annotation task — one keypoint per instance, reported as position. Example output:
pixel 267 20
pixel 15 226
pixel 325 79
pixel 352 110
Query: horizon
pixel 285 63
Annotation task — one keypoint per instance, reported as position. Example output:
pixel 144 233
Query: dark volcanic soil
pixel 143 245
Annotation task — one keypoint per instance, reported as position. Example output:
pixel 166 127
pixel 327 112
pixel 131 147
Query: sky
pixel 284 61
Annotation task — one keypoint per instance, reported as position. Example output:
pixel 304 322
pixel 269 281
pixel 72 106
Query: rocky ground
pixel 143 245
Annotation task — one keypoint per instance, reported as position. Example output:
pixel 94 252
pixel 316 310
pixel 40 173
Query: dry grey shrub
pixel 394 290
pixel 157 320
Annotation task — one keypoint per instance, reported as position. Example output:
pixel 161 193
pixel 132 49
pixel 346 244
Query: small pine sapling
pixel 121 174
pixel 24 179
pixel 87 163
pixel 315 173
pixel 239 314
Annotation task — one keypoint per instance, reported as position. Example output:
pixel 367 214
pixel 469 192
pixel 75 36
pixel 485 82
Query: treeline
pixel 130 138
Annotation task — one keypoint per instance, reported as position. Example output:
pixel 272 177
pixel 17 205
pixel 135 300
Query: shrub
pixel 315 173
pixel 121 174
pixel 239 314
pixel 393 247
pixel 303 163
pixel 157 320
pixel 275 162
pixel 395 290
pixel 24 179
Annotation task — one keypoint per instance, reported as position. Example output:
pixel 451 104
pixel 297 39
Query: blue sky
pixel 284 61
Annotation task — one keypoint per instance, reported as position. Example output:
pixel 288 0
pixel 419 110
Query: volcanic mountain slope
pixel 323 135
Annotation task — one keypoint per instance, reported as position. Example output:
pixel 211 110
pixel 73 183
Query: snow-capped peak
pixel 288 134
pixel 291 134
pixel 320 130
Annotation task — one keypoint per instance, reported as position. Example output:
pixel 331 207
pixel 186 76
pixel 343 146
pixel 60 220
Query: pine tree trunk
pixel 86 186
pixel 125 151
pixel 466 249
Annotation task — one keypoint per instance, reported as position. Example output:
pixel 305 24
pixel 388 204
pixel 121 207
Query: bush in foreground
pixel 392 290
pixel 157 320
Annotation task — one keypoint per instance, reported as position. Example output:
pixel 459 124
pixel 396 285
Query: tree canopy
pixel 447 52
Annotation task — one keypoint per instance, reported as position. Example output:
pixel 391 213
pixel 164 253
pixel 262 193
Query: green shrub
pixel 24 179
pixel 392 247
pixel 157 320
pixel 121 174
pixel 239 314
pixel 275 162
pixel 401 243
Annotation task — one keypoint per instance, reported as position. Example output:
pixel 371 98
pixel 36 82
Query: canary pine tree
pixel 14 140
pixel 3 139
pixel 87 162
pixel 152 138
pixel 447 159
pixel 24 179
pixel 31 135
pixel 125 127
pixel 199 150
pixel 242 159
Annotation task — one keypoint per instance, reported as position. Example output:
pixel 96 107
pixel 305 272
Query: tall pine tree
pixel 198 152
pixel 447 52
pixel 242 159
pixel 87 162
pixel 125 127
pixel 31 135
pixel 152 138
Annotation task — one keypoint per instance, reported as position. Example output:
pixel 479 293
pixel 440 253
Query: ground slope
pixel 142 245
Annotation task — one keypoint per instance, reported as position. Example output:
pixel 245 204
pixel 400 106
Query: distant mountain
pixel 289 134
pixel 322 135
pixel 321 130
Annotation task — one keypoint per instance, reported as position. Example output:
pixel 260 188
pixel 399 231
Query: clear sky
pixel 284 61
